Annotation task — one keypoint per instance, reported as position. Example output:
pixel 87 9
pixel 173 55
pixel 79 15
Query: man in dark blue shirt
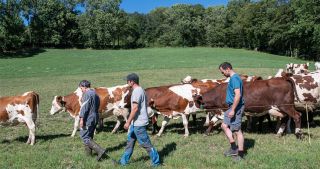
pixel 233 116
pixel 89 116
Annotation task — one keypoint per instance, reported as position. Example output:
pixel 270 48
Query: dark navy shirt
pixel 89 110
pixel 234 83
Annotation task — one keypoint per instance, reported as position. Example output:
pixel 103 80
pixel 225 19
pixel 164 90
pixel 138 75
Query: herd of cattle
pixel 286 95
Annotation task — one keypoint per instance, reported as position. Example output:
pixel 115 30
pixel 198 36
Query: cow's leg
pixel 194 119
pixel 32 132
pixel 249 124
pixel 269 122
pixel 213 122
pixel 185 124
pixel 75 126
pixel 100 124
pixel 117 125
pixel 164 123
pixel 289 126
pixel 297 119
pixel 206 123
pixel 282 127
pixel 154 121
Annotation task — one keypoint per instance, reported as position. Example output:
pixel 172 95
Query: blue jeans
pixel 87 133
pixel 139 133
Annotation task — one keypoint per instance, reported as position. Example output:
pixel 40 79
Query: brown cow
pixel 20 109
pixel 110 98
pixel 274 96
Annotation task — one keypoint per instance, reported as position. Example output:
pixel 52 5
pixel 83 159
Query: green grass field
pixel 58 72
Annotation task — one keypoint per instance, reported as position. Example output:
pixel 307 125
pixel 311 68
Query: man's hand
pixel 81 122
pixel 231 114
pixel 126 126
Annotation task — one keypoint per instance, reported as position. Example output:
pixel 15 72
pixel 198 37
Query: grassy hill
pixel 58 72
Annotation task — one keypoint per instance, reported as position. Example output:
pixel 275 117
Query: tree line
pixel 287 27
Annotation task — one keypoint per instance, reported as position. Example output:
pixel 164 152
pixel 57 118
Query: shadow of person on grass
pixel 115 148
pixel 248 143
pixel 166 150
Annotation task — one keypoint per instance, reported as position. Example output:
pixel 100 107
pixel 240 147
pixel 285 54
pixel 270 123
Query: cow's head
pixel 57 105
pixel 197 98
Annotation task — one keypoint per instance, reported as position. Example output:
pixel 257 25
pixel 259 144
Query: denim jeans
pixel 139 133
pixel 87 133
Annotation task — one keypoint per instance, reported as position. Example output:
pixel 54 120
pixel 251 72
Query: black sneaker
pixel 230 152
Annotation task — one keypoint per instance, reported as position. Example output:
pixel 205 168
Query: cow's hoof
pixel 312 124
pixel 299 135
pixel 186 135
pixel 279 135
pixel 158 135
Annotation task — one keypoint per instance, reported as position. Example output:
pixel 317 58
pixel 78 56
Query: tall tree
pixel 214 20
pixel 11 26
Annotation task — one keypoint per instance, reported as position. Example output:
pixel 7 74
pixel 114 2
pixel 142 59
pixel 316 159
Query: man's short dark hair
pixel 85 83
pixel 225 65
pixel 133 77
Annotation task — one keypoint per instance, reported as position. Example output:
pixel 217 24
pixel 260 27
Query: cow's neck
pixel 71 104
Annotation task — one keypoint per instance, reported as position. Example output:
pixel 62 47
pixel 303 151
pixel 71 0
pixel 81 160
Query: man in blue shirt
pixel 233 116
pixel 89 116
pixel 137 122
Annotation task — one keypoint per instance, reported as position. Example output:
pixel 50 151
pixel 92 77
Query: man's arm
pixel 133 113
pixel 236 101
pixel 84 109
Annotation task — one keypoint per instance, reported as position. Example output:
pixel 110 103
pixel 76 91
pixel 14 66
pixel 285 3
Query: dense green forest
pixel 286 27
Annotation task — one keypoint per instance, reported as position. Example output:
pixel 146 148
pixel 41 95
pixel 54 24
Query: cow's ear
pixel 59 99
pixel 63 103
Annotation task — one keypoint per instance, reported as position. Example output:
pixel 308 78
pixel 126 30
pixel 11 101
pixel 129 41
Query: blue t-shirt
pixel 234 83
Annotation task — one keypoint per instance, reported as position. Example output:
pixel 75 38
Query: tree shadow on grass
pixel 21 53
pixel 38 137
pixel 166 150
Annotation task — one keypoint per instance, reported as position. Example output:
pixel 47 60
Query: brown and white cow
pixel 295 68
pixel 20 109
pixel 110 98
pixel 274 96
pixel 208 84
pixel 308 91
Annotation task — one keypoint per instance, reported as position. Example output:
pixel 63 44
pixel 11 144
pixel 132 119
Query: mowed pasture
pixel 58 72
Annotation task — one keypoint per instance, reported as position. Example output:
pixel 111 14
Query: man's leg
pixel 144 141
pixel 240 140
pixel 85 136
pixel 233 146
pixel 130 146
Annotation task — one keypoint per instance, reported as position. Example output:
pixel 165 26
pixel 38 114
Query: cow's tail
pixel 35 114
pixel 287 78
